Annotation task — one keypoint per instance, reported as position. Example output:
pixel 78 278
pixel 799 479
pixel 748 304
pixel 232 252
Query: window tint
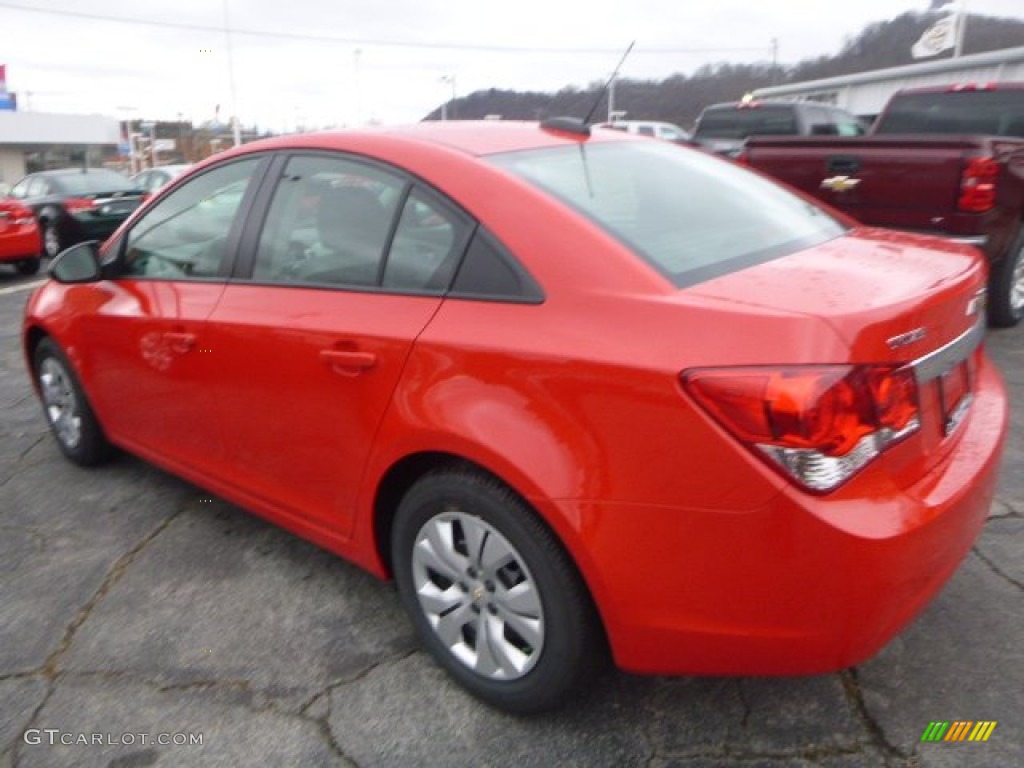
pixel 92 181
pixel 645 130
pixel 741 122
pixel 185 235
pixel 428 243
pixel 999 113
pixel 329 222
pixel 488 271
pixel 689 215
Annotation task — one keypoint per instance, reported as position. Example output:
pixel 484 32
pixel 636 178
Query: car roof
pixel 965 87
pixel 470 137
pixel 72 171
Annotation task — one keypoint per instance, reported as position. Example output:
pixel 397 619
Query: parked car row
pixel 48 211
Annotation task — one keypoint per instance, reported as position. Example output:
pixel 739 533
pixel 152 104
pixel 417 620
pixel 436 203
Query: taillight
pixel 78 205
pixel 978 185
pixel 818 425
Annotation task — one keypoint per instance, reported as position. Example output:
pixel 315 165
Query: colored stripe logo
pixel 959 730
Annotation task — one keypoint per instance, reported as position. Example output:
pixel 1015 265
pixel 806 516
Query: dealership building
pixel 35 141
pixel 866 93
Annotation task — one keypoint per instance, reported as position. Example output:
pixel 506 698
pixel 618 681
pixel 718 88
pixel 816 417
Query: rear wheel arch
pixel 406 472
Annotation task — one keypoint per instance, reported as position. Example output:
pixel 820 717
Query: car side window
pixel 329 222
pixel 185 235
pixel 428 243
pixel 20 190
pixel 37 187
pixel 489 271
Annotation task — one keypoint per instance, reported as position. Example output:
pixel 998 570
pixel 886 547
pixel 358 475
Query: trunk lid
pixel 893 298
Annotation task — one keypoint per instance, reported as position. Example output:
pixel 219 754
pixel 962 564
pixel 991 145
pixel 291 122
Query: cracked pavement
pixel 134 603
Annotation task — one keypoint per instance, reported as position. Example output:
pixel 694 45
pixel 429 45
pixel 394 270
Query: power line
pixel 305 37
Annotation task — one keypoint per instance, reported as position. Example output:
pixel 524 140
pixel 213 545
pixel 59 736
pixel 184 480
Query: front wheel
pixel 1006 291
pixel 491 592
pixel 67 410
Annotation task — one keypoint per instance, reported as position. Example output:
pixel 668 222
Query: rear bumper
pixel 804 585
pixel 21 245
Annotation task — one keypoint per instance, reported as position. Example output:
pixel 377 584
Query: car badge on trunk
pixel 977 303
pixel 904 339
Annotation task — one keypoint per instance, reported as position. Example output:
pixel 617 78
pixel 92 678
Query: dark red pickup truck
pixel 947 161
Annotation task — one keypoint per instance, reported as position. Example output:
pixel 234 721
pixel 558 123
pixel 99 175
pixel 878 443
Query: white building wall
pixel 12 166
pixel 41 128
pixel 866 93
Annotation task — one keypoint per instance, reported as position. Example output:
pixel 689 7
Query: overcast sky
pixel 318 63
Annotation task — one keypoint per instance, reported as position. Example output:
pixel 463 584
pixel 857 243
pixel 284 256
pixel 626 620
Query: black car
pixel 77 204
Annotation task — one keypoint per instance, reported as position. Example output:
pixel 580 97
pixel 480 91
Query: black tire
pixel 1006 287
pixel 572 646
pixel 53 242
pixel 71 418
pixel 28 266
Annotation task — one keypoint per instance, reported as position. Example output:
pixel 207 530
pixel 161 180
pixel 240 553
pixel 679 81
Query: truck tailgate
pixel 906 181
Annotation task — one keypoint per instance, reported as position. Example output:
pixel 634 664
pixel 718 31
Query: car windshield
pixel 998 113
pixel 741 122
pixel 90 182
pixel 690 215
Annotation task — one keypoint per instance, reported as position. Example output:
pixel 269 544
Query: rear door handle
pixel 348 362
pixel 180 342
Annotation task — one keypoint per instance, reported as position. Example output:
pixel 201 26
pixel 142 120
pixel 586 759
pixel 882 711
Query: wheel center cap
pixel 478 594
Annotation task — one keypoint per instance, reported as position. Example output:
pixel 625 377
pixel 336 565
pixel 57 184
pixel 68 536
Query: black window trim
pixel 264 161
pixel 243 261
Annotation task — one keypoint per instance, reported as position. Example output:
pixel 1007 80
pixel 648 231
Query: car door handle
pixel 348 362
pixel 180 342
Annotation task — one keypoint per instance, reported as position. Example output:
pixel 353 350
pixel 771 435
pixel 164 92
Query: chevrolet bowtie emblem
pixel 839 183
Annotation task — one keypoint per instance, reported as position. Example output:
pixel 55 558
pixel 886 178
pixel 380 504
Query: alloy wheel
pixel 478 596
pixel 60 402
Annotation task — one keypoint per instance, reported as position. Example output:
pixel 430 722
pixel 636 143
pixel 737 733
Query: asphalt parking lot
pixel 136 609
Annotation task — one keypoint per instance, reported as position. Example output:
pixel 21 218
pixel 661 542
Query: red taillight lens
pixel 78 205
pixel 819 424
pixel 978 185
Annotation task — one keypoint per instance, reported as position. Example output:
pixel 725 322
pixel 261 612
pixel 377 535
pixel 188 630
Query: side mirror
pixel 78 264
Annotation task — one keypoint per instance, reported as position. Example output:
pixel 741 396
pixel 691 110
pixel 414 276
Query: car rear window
pixel 690 215
pixel 997 113
pixel 741 122
pixel 91 182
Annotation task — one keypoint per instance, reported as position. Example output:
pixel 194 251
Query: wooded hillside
pixel 680 98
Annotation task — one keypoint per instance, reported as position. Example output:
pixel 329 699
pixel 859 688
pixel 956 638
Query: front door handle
pixel 348 362
pixel 180 342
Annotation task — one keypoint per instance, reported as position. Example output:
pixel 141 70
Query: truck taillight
pixel 978 185
pixel 817 425
pixel 78 204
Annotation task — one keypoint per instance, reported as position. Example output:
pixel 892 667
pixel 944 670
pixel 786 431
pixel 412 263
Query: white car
pixel 659 130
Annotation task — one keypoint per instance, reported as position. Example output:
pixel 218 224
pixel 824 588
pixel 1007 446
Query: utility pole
pixel 231 77
pixel 961 29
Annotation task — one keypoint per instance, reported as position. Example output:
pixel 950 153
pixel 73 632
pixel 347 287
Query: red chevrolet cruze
pixel 577 392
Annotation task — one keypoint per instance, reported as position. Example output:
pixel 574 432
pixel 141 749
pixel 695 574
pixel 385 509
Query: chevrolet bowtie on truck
pixel 946 161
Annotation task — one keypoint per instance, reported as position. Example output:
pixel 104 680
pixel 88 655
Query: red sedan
pixel 20 244
pixel 577 394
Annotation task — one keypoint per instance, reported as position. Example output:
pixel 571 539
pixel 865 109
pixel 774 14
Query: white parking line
pixel 22 287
